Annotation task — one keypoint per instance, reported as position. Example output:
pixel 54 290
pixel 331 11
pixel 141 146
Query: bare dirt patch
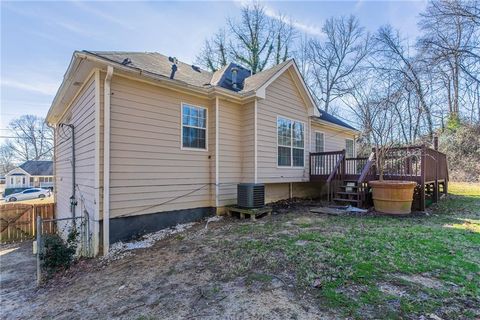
pixel 422 280
pixel 17 280
pixel 392 289
pixel 173 279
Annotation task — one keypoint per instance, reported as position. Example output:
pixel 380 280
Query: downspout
pixel 106 162
pixel 217 155
pixel 73 200
pixel 98 192
pixel 255 142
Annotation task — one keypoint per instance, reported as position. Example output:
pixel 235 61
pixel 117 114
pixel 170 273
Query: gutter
pixel 210 91
pixel 79 57
pixel 335 126
pixel 106 161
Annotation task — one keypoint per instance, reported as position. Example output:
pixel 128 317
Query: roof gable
pixel 17 171
pixel 274 73
pixel 38 168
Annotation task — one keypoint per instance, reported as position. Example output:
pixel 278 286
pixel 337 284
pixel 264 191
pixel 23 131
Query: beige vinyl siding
pixel 280 191
pixel 334 138
pixel 82 116
pixel 230 151
pixel 149 171
pixel 282 99
pixel 248 142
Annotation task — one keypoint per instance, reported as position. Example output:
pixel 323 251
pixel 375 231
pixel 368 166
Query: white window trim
pixel 291 154
pixel 181 128
pixel 353 146
pixel 315 137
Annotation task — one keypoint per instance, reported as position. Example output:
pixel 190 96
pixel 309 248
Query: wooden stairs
pixel 346 179
pixel 349 194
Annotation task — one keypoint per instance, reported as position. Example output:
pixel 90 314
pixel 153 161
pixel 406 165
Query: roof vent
pixel 126 61
pixel 234 78
pixel 196 68
pixel 174 62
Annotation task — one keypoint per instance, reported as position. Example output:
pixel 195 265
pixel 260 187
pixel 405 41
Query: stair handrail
pixel 366 168
pixel 335 168
pixel 333 173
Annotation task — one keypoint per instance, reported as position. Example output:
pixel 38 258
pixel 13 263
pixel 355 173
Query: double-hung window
pixel 319 142
pixel 291 143
pixel 194 127
pixel 349 148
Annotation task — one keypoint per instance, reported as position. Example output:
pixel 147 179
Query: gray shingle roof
pixel 329 118
pixel 159 65
pixel 257 80
pixel 38 168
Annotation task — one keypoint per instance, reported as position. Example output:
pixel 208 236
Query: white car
pixel 27 194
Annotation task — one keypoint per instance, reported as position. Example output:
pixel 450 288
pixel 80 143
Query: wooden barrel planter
pixel 393 196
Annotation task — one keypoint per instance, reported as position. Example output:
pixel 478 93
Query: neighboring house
pixel 158 144
pixel 30 174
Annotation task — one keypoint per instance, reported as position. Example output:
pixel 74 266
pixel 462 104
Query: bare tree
pixel 302 56
pixel 395 58
pixel 450 47
pixel 284 35
pixel 256 40
pixel 32 138
pixel 252 37
pixel 214 54
pixel 334 60
pixel 7 159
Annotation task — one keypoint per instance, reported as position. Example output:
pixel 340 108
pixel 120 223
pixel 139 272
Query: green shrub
pixel 58 254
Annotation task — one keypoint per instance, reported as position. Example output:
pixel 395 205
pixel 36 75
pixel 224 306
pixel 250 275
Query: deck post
pixel 436 188
pixel 422 180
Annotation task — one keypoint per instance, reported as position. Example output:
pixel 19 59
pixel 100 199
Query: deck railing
pixel 436 167
pixel 354 166
pixel 403 163
pixel 414 163
pixel 323 163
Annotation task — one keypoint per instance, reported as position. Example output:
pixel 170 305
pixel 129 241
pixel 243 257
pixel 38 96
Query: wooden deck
pixel 347 178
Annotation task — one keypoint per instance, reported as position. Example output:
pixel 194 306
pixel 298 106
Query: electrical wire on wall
pixel 202 186
pixel 67 132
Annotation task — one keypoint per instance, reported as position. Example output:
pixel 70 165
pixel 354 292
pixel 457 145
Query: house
pixel 30 174
pixel 159 142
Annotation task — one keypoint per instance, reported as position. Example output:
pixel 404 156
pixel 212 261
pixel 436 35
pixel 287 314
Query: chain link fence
pixel 73 239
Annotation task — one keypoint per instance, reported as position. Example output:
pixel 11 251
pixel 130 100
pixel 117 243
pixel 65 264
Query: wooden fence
pixel 17 221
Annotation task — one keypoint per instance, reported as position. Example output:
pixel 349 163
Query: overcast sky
pixel 38 38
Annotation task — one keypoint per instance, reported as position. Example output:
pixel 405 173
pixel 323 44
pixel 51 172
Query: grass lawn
pixel 370 266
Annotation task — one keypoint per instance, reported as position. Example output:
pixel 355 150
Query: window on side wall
pixel 319 142
pixel 194 127
pixel 291 143
pixel 349 148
